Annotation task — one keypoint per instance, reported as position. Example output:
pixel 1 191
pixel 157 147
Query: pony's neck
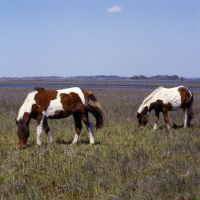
pixel 27 105
pixel 25 109
pixel 150 99
pixel 145 104
pixel 21 112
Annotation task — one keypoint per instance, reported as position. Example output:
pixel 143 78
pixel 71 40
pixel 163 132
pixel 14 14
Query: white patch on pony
pixel 155 126
pixel 75 138
pixel 56 104
pixel 168 127
pixel 27 105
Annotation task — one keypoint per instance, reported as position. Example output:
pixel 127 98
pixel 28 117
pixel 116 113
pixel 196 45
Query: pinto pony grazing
pixel 42 104
pixel 164 100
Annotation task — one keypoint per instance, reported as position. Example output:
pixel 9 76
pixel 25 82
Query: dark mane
pixel 21 125
pixel 38 88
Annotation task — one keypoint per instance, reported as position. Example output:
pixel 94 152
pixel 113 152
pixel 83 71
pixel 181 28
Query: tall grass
pixel 125 162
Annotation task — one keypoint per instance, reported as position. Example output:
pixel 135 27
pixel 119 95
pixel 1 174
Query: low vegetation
pixel 125 162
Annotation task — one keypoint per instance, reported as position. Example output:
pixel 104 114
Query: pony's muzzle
pixel 140 126
pixel 22 143
pixel 22 147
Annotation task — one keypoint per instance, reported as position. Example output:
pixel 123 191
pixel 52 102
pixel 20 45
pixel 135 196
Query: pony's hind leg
pixel 90 127
pixel 91 131
pixel 186 120
pixel 47 130
pixel 78 127
pixel 166 119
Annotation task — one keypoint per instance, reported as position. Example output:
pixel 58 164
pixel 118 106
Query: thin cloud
pixel 114 9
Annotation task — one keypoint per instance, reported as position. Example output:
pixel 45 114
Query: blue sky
pixel 106 37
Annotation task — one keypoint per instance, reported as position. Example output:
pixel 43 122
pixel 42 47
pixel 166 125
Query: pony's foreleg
pixel 165 114
pixel 47 130
pixel 156 119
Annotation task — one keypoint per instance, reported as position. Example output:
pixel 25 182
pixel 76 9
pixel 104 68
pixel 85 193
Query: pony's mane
pixel 148 98
pixel 21 125
pixel 38 88
pixel 26 106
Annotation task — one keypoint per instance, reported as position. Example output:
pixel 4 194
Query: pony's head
pixel 22 132
pixel 143 117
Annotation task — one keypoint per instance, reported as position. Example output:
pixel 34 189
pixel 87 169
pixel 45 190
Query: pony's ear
pixel 16 121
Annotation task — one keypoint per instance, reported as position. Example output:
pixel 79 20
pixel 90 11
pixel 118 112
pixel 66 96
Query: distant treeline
pixel 158 77
pixel 103 77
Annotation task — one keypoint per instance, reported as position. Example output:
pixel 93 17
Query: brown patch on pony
pixel 185 97
pixel 34 111
pixel 43 97
pixel 71 102
pixel 187 101
pixel 160 106
pixel 26 117
pixel 164 108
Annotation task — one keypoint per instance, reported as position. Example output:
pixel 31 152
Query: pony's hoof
pixel 22 147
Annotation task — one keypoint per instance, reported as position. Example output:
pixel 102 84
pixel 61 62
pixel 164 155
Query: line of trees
pixel 158 77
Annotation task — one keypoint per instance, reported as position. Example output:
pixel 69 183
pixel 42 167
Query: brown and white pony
pixel 42 104
pixel 164 100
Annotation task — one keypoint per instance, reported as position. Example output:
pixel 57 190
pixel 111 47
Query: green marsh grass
pixel 125 162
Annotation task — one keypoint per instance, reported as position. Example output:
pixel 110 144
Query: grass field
pixel 125 163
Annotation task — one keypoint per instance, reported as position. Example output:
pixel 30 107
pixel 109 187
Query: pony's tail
pixel 93 106
pixel 191 108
